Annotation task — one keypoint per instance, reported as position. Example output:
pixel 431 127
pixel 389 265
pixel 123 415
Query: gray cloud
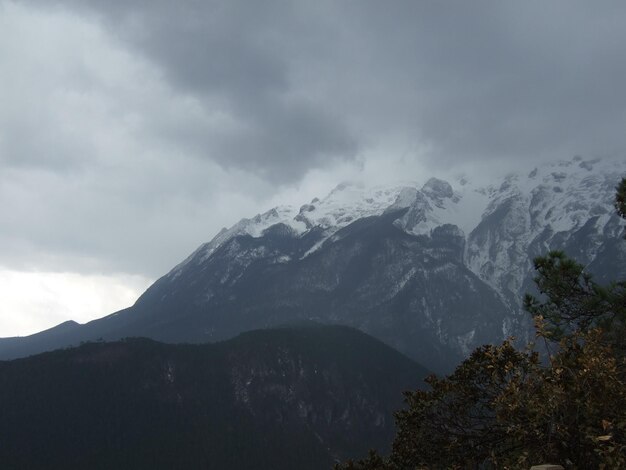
pixel 136 127
pixel 497 80
pixel 235 59
pixel 307 85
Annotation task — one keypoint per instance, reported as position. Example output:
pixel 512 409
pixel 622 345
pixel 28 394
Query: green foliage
pixel 502 408
pixel 505 408
pixel 461 412
pixel 572 301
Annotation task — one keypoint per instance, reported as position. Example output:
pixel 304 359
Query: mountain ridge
pixel 292 397
pixel 387 260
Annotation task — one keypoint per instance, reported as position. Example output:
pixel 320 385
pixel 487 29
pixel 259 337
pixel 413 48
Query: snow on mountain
pixel 554 198
pixel 492 232
pixel 352 201
pixel 343 205
pixel 433 270
pixel 528 215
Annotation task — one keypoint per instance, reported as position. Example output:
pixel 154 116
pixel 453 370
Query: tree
pixel 505 408
pixel 574 302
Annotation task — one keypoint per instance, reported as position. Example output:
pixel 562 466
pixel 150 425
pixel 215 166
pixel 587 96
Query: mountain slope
pixel 433 271
pixel 273 399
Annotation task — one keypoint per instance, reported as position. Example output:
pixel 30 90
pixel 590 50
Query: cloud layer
pixel 132 131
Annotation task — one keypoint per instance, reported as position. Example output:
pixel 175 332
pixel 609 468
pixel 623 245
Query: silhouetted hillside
pixel 268 399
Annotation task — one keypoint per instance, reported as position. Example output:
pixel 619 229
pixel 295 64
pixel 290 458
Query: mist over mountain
pixel 433 270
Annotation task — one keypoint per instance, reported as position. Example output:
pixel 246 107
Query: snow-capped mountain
pixel 435 202
pixel 433 270
pixel 567 206
pixel 504 225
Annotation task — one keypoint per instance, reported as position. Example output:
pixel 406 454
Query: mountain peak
pixel 438 188
pixel 433 269
pixel 437 202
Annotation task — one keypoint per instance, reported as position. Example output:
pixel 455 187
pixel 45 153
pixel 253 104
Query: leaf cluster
pixel 571 301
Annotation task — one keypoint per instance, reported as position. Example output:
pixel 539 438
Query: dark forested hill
pixel 270 399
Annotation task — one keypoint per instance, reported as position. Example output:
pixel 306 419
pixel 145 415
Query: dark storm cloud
pixel 308 84
pixel 500 80
pixel 235 59
pixel 246 97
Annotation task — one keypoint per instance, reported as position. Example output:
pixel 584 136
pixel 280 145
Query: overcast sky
pixel 131 131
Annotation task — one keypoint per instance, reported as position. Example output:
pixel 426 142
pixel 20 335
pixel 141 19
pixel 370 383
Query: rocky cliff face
pixel 567 206
pixel 412 291
pixel 433 270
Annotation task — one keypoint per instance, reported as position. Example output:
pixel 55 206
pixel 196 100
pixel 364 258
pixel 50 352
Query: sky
pixel 132 131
